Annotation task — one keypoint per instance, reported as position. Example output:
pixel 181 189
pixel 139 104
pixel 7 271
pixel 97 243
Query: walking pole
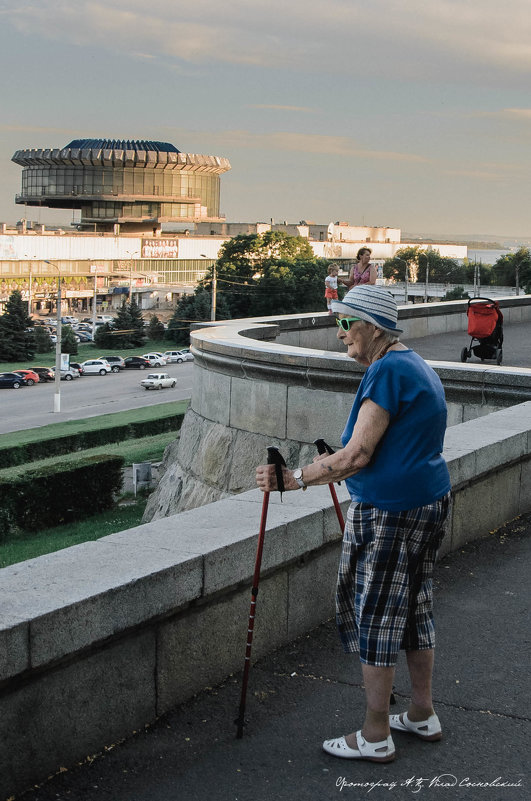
pixel 323 447
pixel 273 457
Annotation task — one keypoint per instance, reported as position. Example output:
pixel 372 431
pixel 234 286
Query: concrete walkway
pixel 310 691
pixel 448 347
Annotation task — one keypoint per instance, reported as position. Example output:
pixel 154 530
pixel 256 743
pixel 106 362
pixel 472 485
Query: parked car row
pixel 100 366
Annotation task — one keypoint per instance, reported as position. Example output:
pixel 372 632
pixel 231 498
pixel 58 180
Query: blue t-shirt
pixel 407 468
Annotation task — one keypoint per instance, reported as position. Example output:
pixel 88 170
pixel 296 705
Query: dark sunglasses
pixel 346 322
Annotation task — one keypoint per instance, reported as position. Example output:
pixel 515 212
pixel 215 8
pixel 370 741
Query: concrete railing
pixel 286 379
pixel 101 638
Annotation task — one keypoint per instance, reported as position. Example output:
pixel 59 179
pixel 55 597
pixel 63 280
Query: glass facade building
pixel 134 184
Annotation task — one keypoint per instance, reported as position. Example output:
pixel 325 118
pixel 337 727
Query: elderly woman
pixel 399 484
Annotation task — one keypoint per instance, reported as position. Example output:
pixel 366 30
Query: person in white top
pixel 331 286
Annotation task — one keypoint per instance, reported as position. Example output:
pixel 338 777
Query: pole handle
pixel 275 457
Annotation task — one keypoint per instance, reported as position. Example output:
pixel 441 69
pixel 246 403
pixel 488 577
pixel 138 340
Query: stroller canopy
pixel 482 318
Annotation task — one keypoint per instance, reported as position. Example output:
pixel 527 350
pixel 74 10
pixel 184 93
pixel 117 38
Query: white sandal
pixel 384 751
pixel 429 729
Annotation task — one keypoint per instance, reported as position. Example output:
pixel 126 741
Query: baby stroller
pixel 485 324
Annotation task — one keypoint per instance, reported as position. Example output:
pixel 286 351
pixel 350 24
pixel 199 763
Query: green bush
pixel 24 452
pixel 59 493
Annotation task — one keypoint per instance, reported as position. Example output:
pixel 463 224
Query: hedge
pixel 25 452
pixel 59 493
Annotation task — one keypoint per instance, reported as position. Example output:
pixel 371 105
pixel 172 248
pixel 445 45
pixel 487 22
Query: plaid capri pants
pixel 384 598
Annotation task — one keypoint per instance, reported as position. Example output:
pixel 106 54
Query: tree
pixel 126 330
pixel 505 269
pixel 105 338
pixel 16 340
pixel 441 269
pixel 257 274
pixel 457 293
pixel 155 329
pixel 138 333
pixel 68 340
pixel 43 342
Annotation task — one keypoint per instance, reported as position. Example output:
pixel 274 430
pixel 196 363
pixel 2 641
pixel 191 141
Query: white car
pixel 157 381
pixel 178 356
pixel 155 359
pixel 96 367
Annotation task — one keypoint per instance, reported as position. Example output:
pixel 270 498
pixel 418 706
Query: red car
pixel 30 376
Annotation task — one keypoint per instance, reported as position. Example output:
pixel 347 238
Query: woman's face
pixel 365 258
pixel 358 339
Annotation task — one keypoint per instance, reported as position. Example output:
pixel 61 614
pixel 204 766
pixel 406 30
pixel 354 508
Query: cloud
pixel 6 128
pixel 303 109
pixel 416 37
pixel 286 141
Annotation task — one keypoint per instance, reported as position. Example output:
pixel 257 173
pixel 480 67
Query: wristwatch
pixel 297 475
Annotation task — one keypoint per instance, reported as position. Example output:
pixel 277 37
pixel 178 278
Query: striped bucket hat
pixel 374 304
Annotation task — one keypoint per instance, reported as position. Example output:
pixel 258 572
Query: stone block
pixel 525 488
pixel 193 430
pixel 258 406
pixel 59 718
pixel 213 451
pixel 215 396
pixel 202 648
pixel 84 594
pixel 414 328
pixel 312 590
pixel 250 450
pixel 482 507
pixel 14 645
pixel 455 414
pixel 314 413
pixel 461 464
pixel 437 324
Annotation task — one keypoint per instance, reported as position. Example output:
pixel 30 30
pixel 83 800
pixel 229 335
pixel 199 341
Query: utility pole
pixel 214 292
pixel 57 394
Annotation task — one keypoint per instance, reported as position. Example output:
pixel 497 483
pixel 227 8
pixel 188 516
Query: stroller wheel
pixel 499 356
pixel 464 354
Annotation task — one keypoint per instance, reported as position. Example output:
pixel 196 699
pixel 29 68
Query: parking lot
pixel 88 396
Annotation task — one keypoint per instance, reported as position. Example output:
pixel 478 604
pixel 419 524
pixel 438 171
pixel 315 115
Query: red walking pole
pixel 273 457
pixel 323 447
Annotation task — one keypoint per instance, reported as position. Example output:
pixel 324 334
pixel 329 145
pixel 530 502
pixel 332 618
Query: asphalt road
pixel 89 396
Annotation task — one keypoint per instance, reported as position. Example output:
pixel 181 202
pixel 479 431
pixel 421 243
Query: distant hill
pixel 475 241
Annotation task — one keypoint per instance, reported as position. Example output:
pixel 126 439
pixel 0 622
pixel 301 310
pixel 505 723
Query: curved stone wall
pixel 281 381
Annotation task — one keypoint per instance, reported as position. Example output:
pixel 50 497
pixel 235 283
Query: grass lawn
pixel 87 350
pixel 29 545
pixel 101 421
pixel 145 449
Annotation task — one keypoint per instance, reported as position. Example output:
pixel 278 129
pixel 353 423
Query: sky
pixel 413 114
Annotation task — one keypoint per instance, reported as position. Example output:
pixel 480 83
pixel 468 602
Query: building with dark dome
pixel 123 185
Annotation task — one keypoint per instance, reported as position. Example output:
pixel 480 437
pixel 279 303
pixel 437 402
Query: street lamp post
pixel 57 393
pixel 214 289
pixel 427 278
pixel 131 255
pixel 406 276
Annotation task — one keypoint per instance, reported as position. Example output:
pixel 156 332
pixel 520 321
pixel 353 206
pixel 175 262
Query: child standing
pixel 331 286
